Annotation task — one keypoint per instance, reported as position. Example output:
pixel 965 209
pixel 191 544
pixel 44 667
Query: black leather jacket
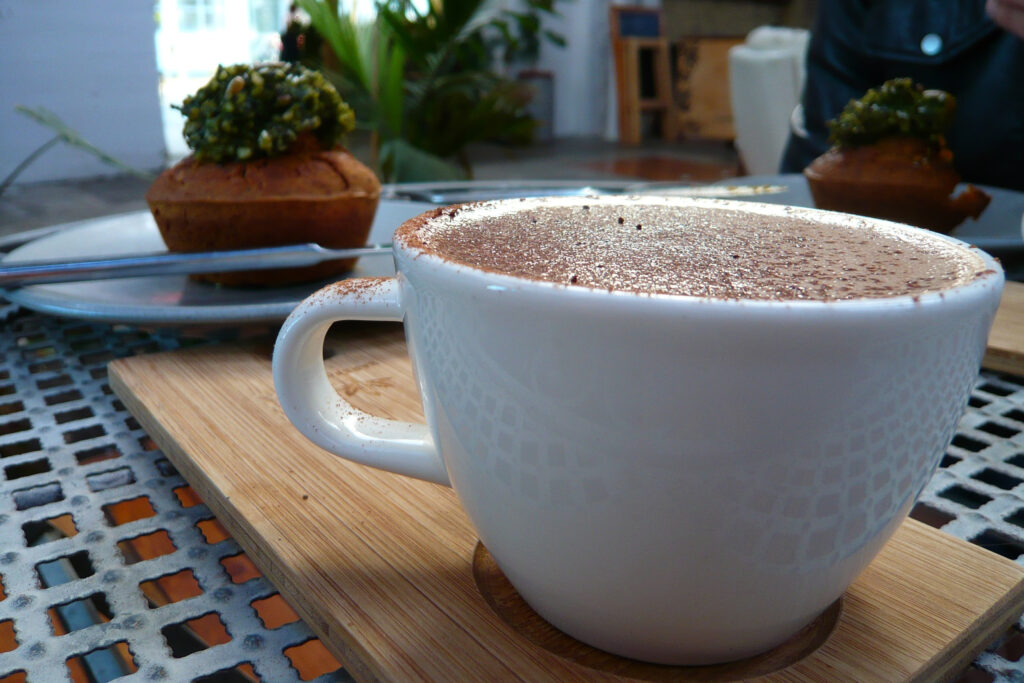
pixel 950 45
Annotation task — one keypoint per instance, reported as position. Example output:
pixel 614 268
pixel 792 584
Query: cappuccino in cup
pixel 681 427
pixel 723 253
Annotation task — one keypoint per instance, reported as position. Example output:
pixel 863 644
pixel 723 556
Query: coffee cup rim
pixel 408 247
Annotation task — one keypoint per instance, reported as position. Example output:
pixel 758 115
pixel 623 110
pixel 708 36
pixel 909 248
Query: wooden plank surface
pixel 1006 341
pixel 382 566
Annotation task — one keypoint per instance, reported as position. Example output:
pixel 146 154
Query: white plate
pixel 170 299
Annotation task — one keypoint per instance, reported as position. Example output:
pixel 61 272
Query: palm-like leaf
pixel 391 86
pixel 71 137
pixel 420 79
pixel 412 164
pixel 344 40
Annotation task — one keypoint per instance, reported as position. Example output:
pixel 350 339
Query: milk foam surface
pixel 681 249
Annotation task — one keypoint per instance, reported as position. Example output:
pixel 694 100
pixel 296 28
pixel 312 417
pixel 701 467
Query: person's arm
pixel 837 72
pixel 1007 13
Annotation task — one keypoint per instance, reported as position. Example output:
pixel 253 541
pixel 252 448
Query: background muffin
pixel 890 160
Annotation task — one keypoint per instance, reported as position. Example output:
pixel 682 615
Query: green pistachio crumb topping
pixel 250 111
pixel 898 107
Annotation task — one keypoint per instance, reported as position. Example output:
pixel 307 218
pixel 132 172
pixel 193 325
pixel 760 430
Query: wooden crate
pixel 702 87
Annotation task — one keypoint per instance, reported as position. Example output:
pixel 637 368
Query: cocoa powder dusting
pixel 695 251
pixel 359 289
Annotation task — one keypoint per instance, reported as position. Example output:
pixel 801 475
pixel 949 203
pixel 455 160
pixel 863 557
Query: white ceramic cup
pixel 669 478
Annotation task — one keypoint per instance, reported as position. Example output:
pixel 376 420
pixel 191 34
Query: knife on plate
pixel 23 273
pixel 472 192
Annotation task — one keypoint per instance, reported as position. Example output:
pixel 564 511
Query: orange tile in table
pixel 311 659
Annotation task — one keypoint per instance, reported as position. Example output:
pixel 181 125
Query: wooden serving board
pixel 387 570
pixel 1006 341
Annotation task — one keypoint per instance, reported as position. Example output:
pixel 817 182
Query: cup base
pixel 504 599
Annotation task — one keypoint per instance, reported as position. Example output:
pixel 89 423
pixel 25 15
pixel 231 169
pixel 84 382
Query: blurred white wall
pixel 91 62
pixel 581 76
pixel 585 102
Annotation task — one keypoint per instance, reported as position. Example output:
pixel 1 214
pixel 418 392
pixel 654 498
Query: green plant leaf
pixel 69 136
pixel 556 38
pixel 506 33
pixel 341 34
pixel 391 96
pixel 543 5
pixel 422 79
pixel 527 22
pixel 410 165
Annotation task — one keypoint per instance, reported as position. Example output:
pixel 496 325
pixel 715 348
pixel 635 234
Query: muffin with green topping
pixel 890 160
pixel 266 169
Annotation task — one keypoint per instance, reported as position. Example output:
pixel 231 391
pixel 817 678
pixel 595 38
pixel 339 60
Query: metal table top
pixel 94 520
pixel 103 541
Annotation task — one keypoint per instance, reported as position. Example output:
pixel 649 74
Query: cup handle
pixel 324 417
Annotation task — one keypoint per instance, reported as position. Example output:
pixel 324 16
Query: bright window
pixel 266 16
pixel 199 15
